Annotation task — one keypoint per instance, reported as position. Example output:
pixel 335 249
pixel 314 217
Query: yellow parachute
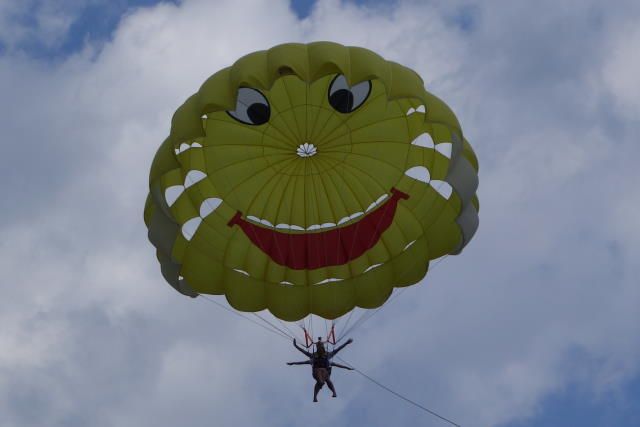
pixel 310 179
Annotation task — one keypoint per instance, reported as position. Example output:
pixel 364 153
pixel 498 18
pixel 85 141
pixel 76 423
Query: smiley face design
pixel 310 179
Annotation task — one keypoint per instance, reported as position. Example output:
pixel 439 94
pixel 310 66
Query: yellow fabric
pixel 213 167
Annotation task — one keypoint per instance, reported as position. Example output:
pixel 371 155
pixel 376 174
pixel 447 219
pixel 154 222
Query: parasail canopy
pixel 310 179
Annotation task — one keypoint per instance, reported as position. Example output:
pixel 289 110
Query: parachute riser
pixel 308 339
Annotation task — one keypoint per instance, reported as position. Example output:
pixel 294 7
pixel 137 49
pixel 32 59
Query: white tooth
pixel 313 227
pixel 183 147
pixel 371 206
pixel 284 282
pixel 381 198
pixel 330 279
pixel 423 140
pixel 196 145
pixel 372 267
pixel 193 177
pixel 253 218
pixel 241 271
pixel 408 245
pixel 172 193
pixel 420 109
pixel 343 220
pixel 419 173
pixel 410 111
pixel 327 225
pixel 442 187
pixel 267 223
pixel 209 205
pixel 296 227
pixel 190 227
pixel 355 215
pixel 444 148
pixel 283 226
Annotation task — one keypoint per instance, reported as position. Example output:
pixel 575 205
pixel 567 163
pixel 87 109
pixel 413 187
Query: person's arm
pixel 306 362
pixel 337 365
pixel 300 349
pixel 349 341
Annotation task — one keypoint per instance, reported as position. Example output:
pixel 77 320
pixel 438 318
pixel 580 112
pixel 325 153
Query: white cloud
pixel 622 68
pixel 544 297
pixel 33 21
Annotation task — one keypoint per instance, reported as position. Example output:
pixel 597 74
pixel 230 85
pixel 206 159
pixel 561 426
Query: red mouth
pixel 337 246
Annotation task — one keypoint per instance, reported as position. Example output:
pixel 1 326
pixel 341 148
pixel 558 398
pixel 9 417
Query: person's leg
pixel 331 387
pixel 316 389
pixel 319 377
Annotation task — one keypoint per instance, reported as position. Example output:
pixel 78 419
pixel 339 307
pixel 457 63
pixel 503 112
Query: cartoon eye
pixel 346 99
pixel 252 107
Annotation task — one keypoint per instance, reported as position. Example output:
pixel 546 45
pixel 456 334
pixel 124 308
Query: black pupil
pixel 258 113
pixel 342 100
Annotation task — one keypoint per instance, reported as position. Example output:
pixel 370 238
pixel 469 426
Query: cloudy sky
pixel 535 324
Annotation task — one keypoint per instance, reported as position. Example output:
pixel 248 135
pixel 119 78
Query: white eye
pixel 252 107
pixel 346 99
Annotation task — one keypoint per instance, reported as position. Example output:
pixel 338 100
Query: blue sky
pixel 575 406
pixel 535 324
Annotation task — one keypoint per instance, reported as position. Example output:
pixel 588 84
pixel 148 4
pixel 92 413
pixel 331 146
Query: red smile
pixel 337 246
